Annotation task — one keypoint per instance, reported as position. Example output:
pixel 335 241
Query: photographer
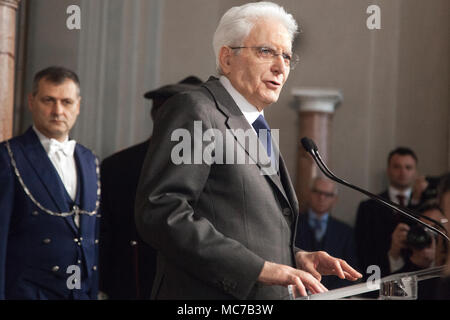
pixel 444 202
pixel 422 250
pixel 443 195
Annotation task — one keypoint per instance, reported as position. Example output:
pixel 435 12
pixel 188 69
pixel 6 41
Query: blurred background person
pixel 422 242
pixel 422 249
pixel 318 230
pixel 444 203
pixel 444 195
pixel 127 263
pixel 380 232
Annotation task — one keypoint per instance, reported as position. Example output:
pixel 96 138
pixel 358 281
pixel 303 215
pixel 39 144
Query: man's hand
pixel 278 274
pixel 398 239
pixel 320 263
pixel 419 187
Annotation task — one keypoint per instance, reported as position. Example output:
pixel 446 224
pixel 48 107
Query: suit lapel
pixel 305 233
pixel 331 237
pixel 236 121
pixel 44 169
pixel 288 186
pixel 87 185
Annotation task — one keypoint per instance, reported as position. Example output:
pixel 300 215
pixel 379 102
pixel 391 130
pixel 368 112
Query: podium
pixel 400 286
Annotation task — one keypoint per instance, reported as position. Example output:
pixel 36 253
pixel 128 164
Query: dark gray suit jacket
pixel 213 225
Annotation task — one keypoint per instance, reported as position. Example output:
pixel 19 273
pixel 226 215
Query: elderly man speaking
pixel 224 229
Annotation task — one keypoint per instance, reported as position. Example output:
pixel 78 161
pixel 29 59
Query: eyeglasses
pixel 323 193
pixel 268 54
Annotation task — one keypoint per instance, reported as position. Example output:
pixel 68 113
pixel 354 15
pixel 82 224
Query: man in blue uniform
pixel 49 200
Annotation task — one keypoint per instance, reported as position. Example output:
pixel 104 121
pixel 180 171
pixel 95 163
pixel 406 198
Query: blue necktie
pixel 318 229
pixel 260 124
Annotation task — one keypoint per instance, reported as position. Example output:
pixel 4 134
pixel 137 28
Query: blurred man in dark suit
pixel 380 232
pixel 318 230
pixel 127 263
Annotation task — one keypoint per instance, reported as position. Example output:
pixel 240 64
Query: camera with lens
pixel 419 237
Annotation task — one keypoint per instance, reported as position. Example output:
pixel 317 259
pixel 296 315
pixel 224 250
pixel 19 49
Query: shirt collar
pixel 250 112
pixel 314 216
pixel 45 141
pixel 394 192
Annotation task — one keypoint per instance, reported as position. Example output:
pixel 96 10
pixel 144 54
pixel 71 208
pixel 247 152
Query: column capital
pixel 10 3
pixel 317 99
pixel 8 12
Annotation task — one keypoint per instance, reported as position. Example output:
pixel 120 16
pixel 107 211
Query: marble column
pixel 8 9
pixel 316 108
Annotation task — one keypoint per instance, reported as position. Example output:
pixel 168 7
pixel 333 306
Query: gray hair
pixel 236 24
pixel 315 179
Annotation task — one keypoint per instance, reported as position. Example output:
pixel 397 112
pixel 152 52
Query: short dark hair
pixel 55 75
pixel 402 151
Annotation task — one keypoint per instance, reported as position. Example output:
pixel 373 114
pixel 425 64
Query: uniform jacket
pixel 127 264
pixel 37 248
pixel 213 225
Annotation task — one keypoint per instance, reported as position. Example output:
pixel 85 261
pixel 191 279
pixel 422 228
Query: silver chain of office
pixel 75 210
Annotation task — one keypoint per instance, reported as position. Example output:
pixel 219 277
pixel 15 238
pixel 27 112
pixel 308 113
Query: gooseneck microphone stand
pixel 312 149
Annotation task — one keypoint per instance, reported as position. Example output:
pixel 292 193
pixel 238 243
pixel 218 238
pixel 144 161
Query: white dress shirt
pixel 62 158
pixel 250 112
pixel 393 193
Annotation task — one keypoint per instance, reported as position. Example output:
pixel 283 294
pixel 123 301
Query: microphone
pixel 312 149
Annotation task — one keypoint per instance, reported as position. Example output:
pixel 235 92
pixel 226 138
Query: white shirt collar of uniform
pixel 250 112
pixel 45 141
pixel 394 192
pixel 65 165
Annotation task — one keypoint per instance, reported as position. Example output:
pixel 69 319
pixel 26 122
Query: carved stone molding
pixel 10 3
pixel 8 10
